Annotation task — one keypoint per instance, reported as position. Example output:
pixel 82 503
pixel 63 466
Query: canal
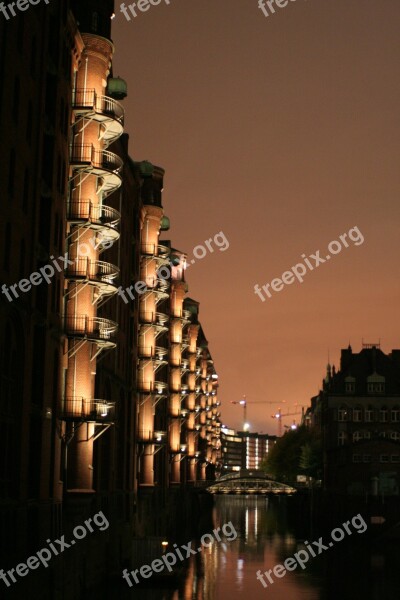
pixel 268 532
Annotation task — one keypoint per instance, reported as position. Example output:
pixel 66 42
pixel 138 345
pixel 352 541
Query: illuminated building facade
pixel 102 401
pixel 244 450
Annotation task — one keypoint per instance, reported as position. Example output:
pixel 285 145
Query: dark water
pixel 269 532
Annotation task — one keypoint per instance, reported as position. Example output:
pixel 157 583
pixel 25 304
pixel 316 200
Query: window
pixel 349 384
pixel 376 388
pixel 341 438
pixel 395 415
pixel 11 173
pixel 395 435
pixel 384 458
pixel 357 414
pixel 395 458
pixel 15 108
pixel 383 434
pixel 367 458
pixel 29 124
pixel 22 256
pixel 357 458
pixel 383 415
pixel 95 21
pixel 7 248
pixel 369 415
pixel 25 196
pixel 361 435
pixel 33 57
pixel 342 414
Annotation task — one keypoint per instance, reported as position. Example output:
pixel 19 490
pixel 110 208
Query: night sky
pixel 283 133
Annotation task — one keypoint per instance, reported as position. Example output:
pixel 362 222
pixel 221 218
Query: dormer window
pixel 350 385
pixel 376 384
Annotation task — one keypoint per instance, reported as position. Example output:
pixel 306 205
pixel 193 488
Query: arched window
pixel 341 438
pixel 369 414
pixel 357 414
pixel 357 436
pixel 343 413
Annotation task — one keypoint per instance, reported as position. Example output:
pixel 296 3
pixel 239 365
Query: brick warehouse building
pixel 358 414
pixel 104 404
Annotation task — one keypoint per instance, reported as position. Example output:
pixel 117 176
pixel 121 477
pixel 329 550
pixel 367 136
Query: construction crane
pixel 244 402
pixel 279 416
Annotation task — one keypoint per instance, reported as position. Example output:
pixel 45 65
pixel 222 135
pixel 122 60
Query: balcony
pixel 105 110
pixel 93 329
pixel 88 411
pixel 157 283
pixel 158 388
pixel 152 437
pixel 164 251
pixel 101 163
pixel 156 355
pixel 158 252
pixel 161 318
pixel 101 218
pixel 97 272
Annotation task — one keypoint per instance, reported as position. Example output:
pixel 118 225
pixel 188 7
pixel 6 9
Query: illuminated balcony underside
pixel 159 294
pixel 157 252
pixel 159 388
pixel 155 327
pixel 156 352
pixel 102 163
pixel 146 436
pixel 93 329
pixel 88 410
pixel 94 272
pixel 152 318
pixel 104 110
pixel 100 218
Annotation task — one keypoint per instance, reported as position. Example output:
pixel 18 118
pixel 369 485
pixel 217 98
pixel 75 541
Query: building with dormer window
pixel 358 412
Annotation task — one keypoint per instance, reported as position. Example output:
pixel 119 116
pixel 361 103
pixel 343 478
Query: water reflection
pixel 268 533
pixel 227 570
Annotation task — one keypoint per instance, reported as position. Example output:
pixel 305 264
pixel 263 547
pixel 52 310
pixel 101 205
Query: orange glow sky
pixel 283 132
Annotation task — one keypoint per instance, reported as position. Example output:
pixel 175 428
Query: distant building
pixel 256 447
pixel 232 450
pixel 244 450
pixel 358 414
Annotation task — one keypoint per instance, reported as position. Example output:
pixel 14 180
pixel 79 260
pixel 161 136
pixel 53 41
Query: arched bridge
pixel 249 482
